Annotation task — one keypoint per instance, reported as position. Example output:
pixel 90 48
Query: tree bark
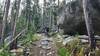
pixel 58 3
pixel 28 13
pixel 5 16
pixel 17 6
pixel 89 24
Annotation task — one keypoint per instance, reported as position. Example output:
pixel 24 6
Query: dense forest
pixel 49 28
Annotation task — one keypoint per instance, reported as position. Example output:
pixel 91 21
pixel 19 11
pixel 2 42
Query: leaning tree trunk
pixel 89 25
pixel 6 11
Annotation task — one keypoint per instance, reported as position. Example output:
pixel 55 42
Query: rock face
pixel 73 18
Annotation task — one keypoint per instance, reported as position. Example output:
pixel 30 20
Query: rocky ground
pixel 44 47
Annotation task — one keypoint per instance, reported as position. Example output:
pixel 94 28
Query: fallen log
pixel 97 38
pixel 12 40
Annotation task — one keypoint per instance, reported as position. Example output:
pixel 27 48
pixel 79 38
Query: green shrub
pixel 6 53
pixel 63 52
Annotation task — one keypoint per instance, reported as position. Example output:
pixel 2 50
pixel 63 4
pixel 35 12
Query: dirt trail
pixel 44 47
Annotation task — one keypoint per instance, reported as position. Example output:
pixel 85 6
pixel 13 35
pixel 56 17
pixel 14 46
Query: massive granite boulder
pixel 71 18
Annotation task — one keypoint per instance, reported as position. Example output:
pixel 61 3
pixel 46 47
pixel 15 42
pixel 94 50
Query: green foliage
pixel 36 16
pixel 35 37
pixel 63 52
pixel 97 52
pixel 73 44
pixel 6 53
pixel 21 24
pixel 81 53
pixel 26 39
pixel 36 22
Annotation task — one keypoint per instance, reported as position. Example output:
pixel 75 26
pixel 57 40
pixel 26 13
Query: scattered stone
pixel 83 36
pixel 67 40
pixel 65 36
pixel 34 44
pixel 84 41
pixel 44 47
pixel 50 53
pixel 39 46
pixel 17 50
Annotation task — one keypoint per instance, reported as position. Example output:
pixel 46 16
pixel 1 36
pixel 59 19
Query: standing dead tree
pixel 88 21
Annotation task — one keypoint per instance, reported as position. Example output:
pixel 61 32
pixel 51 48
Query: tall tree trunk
pixel 6 11
pixel 28 13
pixel 14 43
pixel 44 13
pixel 58 3
pixel 89 25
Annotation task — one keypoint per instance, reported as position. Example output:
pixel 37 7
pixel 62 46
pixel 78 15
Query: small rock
pixel 50 53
